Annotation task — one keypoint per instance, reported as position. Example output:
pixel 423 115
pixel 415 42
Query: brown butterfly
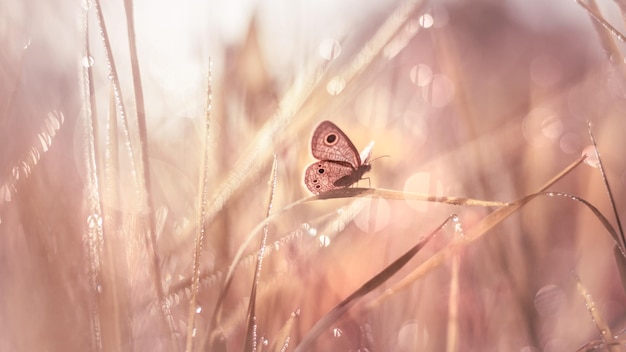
pixel 339 163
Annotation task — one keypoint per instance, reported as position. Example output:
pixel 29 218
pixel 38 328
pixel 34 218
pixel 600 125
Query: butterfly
pixel 339 164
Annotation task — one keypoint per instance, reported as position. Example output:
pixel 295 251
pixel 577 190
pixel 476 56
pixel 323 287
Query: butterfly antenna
pixel 382 156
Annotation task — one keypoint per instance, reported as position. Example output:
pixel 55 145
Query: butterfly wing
pixel 330 143
pixel 326 175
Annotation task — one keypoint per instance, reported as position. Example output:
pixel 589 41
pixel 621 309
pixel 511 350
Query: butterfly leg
pixel 369 183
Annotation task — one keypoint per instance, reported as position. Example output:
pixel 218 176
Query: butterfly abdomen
pixel 348 180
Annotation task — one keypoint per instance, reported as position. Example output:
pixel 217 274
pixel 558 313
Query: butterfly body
pixel 339 164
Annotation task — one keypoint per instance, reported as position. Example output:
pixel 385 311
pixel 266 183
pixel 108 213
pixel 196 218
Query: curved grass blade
pixel 402 195
pixel 203 218
pixel 369 286
pixel 146 190
pixel 621 241
pixel 476 232
pixel 250 343
pixel 282 339
pixel 603 327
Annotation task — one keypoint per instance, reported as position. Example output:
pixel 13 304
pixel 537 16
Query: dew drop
pixel 335 86
pixel 45 141
pixel 570 143
pixel 56 118
pixel 312 232
pixel 87 61
pixel 87 4
pixel 552 127
pixel 99 288
pixel 34 154
pixel 94 220
pixel 426 20
pixel 421 75
pixel 454 218
pixel 48 126
pixel 394 47
pixel 167 279
pixel 194 332
pixel 25 168
pixel 592 156
pixel 26 44
pixel 337 332
pixel 264 341
pixel 330 49
pixel 324 241
pixel 541 126
pixel 549 300
pixel 412 336
pixel 198 309
pixel 5 193
pixel 614 58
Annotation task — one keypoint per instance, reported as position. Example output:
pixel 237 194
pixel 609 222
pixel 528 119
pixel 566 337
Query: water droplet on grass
pixel 569 143
pixel 87 61
pixel 335 86
pixel 549 300
pixel 94 220
pixel 421 75
pixel 87 4
pixel 412 336
pixel 5 193
pixel 426 20
pixel 592 156
pixel 330 49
